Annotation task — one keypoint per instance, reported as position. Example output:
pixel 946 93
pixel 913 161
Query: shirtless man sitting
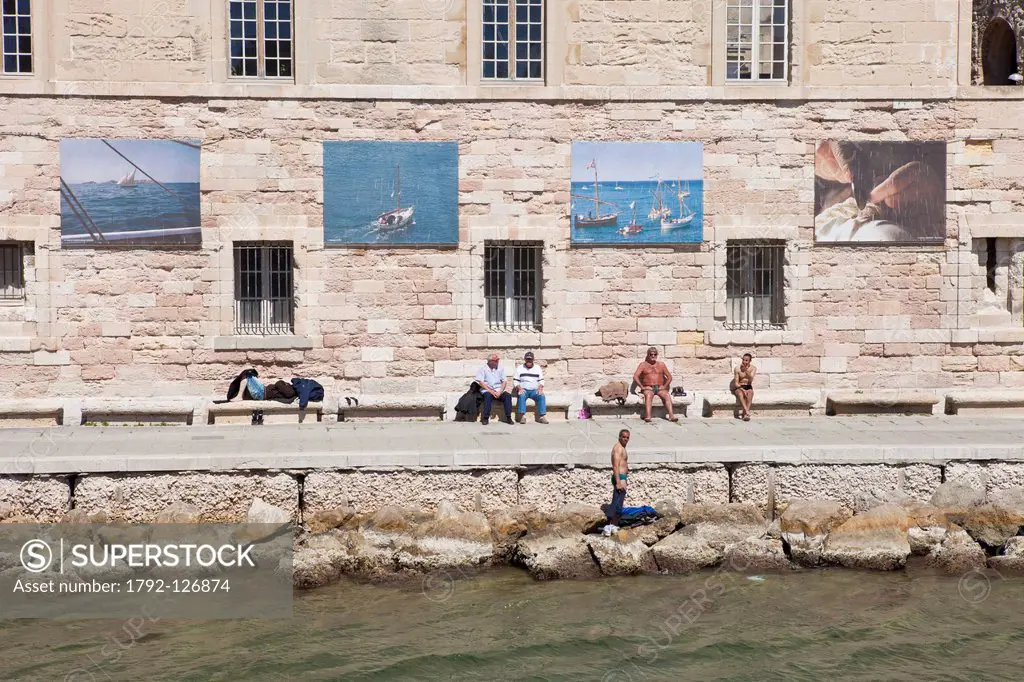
pixel 653 378
pixel 743 385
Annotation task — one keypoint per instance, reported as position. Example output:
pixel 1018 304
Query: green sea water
pixel 814 625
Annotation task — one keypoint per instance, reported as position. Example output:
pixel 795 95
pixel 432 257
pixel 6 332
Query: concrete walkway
pixel 926 439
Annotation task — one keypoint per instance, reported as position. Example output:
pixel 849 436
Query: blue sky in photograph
pixel 635 161
pixel 86 160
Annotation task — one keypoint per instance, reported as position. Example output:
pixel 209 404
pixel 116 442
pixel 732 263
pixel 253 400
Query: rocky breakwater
pixel 960 529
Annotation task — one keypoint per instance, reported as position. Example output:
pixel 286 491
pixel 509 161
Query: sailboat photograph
pixel 397 218
pixel 685 216
pixel 162 208
pixel 610 180
pixel 385 193
pixel 594 217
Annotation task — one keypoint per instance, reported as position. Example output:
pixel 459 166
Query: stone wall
pixel 637 45
pixel 140 322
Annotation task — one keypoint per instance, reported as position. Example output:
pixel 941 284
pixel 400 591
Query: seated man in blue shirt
pixel 494 386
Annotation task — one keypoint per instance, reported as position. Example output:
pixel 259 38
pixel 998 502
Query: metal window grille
pixel 264 292
pixel 261 38
pixel 757 40
pixel 12 272
pixel 17 36
pixel 512 285
pixel 755 294
pixel 513 39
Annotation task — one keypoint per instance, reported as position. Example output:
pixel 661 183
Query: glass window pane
pixel 780 70
pixel 535 32
pixel 732 15
pixel 502 51
pixel 284 10
pixel 535 69
pixel 250 29
pixel 251 68
pixel 746 16
pixel 250 48
pixel 502 70
pixel 522 12
pixel 502 15
pixel 521 69
pixel 284 31
pixel 488 50
pixel 249 10
pixel 10 63
pixel 24 7
pixel 271 68
pixel 535 51
pixel 520 51
pixel 503 33
pixel 236 10
pixel 284 49
pixel 733 34
pixel 488 32
pixel 270 49
pixel 10 44
pixel 24 25
pixel 780 15
pixel 270 30
pixel 780 34
pixel 522 32
pixel 780 52
pixel 488 69
pixel 286 69
pixel 25 44
pixel 535 15
pixel 270 11
pixel 10 24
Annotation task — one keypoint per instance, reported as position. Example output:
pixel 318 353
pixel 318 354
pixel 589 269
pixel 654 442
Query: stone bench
pixel 985 402
pixel 885 401
pixel 634 407
pixel 32 412
pixel 428 406
pixel 778 403
pixel 150 411
pixel 274 412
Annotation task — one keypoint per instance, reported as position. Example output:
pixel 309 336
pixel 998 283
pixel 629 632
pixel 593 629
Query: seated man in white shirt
pixel 529 380
pixel 494 385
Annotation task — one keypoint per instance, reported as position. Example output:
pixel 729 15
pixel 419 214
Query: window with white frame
pixel 512 285
pixel 513 40
pixel 264 290
pixel 757 40
pixel 12 271
pixel 755 285
pixel 17 36
pixel 260 39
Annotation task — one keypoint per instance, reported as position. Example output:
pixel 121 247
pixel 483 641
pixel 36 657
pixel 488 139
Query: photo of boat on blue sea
pixel 129 192
pixel 637 193
pixel 385 193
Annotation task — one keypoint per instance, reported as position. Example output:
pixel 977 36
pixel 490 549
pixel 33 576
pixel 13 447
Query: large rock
pixel 652 533
pixel 681 553
pixel 957 554
pixel 180 512
pixel 323 558
pixel 876 539
pixel 806 523
pixel 989 524
pixel 583 518
pixel 1008 498
pixel 329 519
pixel 261 512
pixel 621 554
pixel 507 526
pixel 733 514
pixel 553 556
pixel 1012 558
pixel 451 539
pixel 756 554
pixel 952 495
pixel 388 520
pixel 928 526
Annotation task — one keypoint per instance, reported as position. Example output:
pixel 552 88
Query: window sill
pixel 11 302
pixel 283 342
pixel 770 337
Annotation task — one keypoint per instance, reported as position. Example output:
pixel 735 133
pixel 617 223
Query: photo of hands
pixel 880 192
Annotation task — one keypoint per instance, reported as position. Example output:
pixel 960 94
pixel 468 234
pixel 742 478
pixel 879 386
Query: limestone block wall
pixel 634 46
pixel 154 321
pixel 876 42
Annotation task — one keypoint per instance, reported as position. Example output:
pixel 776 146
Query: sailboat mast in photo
pixel 659 210
pixel 685 214
pixel 595 218
pixel 633 226
pixel 398 217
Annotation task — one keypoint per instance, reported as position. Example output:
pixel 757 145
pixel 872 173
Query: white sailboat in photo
pixel 598 220
pixel 685 214
pixel 128 180
pixel 659 210
pixel 399 217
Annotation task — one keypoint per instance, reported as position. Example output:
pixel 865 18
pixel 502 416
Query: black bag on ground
pixel 468 407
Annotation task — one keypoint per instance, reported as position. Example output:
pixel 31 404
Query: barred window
pixel 264 292
pixel 512 285
pixel 261 38
pixel 513 40
pixel 17 36
pixel 755 294
pixel 757 40
pixel 12 271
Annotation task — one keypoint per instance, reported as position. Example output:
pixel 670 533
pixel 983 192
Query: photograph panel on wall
pixel 129 192
pixel 637 193
pixel 880 192
pixel 381 193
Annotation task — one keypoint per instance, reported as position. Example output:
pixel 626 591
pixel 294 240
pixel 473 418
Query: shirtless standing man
pixel 620 471
pixel 743 385
pixel 653 377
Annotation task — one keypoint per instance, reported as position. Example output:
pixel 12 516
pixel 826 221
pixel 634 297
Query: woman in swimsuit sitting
pixel 743 385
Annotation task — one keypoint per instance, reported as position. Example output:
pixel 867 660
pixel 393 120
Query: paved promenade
pixel 926 439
